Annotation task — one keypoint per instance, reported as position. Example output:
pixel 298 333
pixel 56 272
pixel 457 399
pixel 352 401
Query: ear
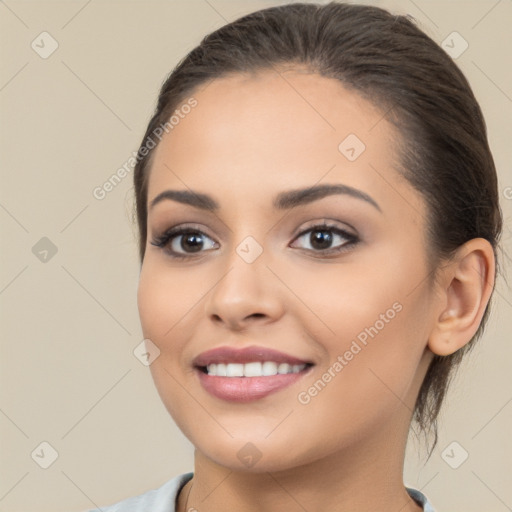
pixel 466 284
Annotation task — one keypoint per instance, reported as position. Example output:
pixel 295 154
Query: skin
pixel 249 138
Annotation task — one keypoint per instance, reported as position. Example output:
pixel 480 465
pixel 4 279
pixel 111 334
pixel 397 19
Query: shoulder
pixel 162 499
pixel 421 499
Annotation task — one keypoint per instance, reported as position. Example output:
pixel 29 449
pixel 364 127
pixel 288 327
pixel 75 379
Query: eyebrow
pixel 283 201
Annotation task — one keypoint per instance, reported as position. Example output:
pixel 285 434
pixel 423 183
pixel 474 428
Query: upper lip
pixel 244 355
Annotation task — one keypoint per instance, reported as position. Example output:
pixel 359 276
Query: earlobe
pixel 465 290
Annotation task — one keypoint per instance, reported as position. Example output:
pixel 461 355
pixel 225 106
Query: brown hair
pixel 386 58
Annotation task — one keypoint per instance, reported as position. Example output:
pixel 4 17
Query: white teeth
pixel 269 368
pixel 255 369
pixel 234 370
pixel 252 369
pixel 283 368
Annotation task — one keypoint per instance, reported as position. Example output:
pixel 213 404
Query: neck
pixel 366 477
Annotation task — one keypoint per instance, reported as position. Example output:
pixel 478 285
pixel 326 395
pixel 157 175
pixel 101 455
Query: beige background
pixel 70 324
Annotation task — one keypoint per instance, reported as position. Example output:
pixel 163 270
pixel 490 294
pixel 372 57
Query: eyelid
pixel 328 223
pixel 181 227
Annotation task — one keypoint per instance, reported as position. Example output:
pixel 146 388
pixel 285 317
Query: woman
pixel 319 217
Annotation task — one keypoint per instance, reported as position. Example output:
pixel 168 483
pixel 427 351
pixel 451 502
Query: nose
pixel 247 294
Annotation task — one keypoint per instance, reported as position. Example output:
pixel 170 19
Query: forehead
pixel 274 130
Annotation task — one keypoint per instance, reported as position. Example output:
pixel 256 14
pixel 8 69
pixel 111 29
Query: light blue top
pixel 163 499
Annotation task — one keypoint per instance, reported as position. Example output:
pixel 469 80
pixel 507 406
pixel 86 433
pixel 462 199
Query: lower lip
pixel 247 389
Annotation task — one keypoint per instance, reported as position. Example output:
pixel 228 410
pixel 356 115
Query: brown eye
pixel 327 238
pixel 184 242
pixel 190 242
pixel 321 239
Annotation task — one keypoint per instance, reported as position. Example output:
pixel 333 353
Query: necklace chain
pixel 188 494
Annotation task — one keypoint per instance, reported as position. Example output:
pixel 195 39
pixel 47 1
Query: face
pixel 335 282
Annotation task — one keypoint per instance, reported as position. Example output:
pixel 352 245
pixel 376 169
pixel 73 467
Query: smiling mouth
pixel 247 382
pixel 248 373
pixel 252 369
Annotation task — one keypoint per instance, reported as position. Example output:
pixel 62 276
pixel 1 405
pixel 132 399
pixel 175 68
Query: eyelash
pixel 163 240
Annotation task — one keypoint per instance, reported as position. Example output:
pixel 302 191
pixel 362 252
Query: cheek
pixel 375 320
pixel 368 380
pixel 347 299
pixel 380 293
pixel 164 299
pixel 170 302
pixel 161 309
